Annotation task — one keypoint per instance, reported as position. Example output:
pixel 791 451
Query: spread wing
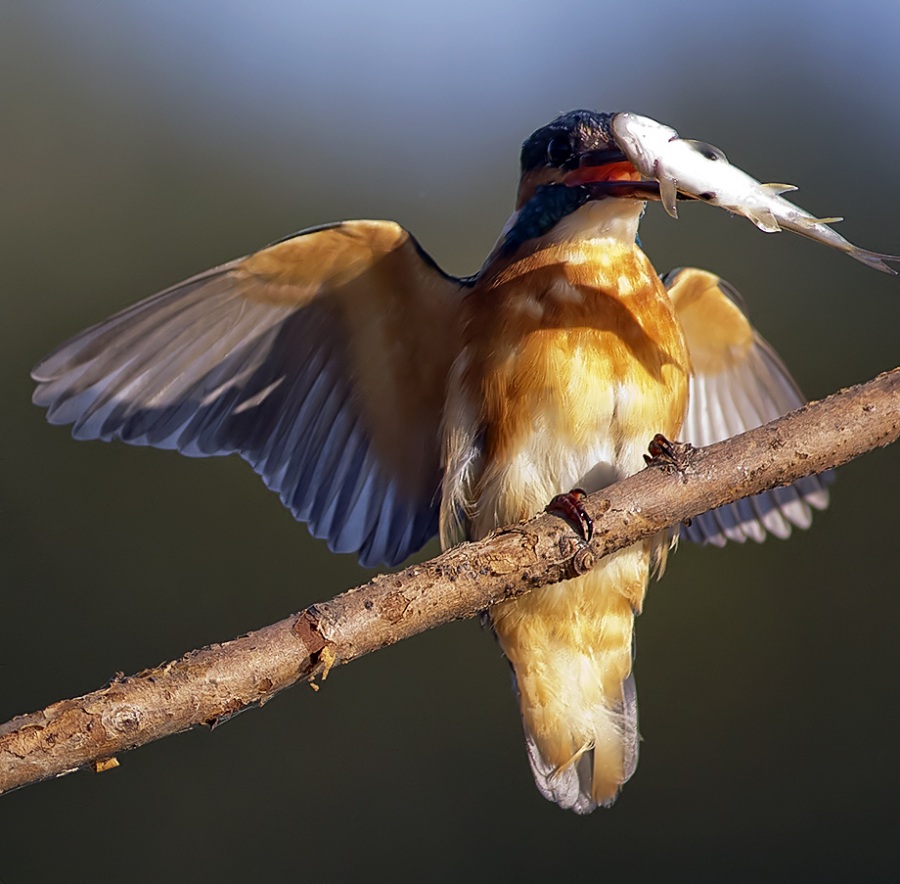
pixel 738 383
pixel 322 360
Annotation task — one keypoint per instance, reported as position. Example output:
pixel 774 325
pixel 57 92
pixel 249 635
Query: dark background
pixel 142 142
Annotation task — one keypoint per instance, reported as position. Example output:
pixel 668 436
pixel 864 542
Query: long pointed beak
pixel 630 188
pixel 607 164
pixel 601 157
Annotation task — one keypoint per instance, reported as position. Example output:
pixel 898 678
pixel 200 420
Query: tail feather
pixel 630 736
pixel 570 787
pixel 571 649
pixel 595 775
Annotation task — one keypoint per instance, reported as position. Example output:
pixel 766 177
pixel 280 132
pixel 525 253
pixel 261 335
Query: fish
pixel 702 171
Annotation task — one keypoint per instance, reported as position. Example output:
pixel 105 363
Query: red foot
pixel 668 455
pixel 570 507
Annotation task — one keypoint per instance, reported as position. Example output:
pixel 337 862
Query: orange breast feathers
pixel 573 360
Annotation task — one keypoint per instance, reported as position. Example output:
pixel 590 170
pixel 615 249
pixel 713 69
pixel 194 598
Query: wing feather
pixel 322 360
pixel 738 383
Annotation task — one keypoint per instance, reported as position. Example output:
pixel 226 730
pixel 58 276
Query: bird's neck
pixel 615 220
pixel 557 216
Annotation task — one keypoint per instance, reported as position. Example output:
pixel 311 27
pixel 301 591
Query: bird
pixel 386 401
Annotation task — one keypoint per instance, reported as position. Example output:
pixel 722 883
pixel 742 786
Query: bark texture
pixel 208 686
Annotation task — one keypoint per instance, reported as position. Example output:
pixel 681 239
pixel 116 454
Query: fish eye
pixel 708 151
pixel 559 151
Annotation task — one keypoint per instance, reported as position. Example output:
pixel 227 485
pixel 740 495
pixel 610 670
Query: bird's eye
pixel 559 150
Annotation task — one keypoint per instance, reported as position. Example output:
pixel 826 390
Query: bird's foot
pixel 570 506
pixel 669 456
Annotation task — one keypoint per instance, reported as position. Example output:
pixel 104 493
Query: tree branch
pixel 210 685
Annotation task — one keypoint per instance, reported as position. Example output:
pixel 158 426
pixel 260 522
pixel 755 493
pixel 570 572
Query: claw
pixel 570 507
pixel 668 455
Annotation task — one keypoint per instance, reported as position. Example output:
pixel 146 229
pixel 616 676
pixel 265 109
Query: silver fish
pixel 702 171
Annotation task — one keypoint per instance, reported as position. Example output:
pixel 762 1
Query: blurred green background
pixel 142 142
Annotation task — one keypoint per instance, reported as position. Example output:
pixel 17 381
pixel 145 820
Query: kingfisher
pixel 387 402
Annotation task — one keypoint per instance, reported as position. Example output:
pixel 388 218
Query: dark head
pixel 575 148
pixel 571 163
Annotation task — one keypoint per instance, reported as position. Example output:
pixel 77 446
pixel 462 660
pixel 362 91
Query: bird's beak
pixel 607 164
